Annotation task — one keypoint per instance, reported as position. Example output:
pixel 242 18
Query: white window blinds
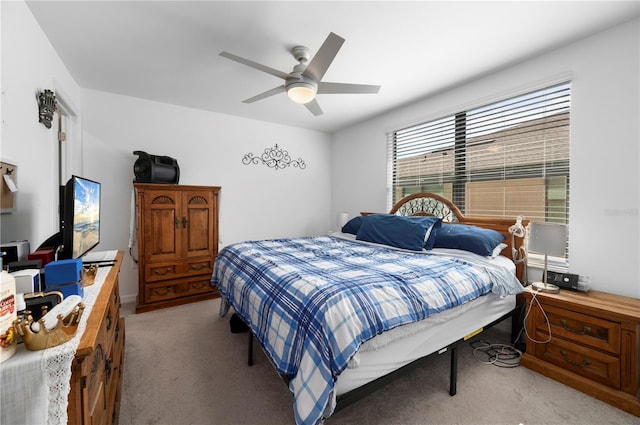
pixel 505 159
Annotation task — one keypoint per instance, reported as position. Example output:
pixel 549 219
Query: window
pixel 505 159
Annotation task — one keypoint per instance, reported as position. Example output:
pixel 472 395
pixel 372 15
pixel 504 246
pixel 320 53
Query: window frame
pixel 460 176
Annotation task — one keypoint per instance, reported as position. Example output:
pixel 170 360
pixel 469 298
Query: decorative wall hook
pixel 274 157
pixel 46 106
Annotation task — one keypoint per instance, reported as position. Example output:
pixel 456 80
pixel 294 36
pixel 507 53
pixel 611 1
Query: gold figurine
pixel 90 274
pixel 64 330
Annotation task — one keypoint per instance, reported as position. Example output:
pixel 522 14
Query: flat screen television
pixel 79 219
pixel 81 227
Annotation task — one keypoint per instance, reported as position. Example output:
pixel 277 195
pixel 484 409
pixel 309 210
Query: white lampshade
pixel 548 238
pixel 301 92
pixel 343 217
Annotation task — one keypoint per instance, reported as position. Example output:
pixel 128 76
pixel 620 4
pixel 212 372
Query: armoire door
pixel 162 225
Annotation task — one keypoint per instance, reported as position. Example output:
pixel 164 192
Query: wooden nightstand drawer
pixel 594 346
pixel 581 329
pixel 591 364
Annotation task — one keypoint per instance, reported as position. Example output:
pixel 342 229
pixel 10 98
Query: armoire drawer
pixel 178 288
pixel 156 272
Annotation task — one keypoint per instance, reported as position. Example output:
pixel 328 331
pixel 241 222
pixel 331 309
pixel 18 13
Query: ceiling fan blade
pixel 336 88
pixel 314 107
pixel 255 65
pixel 266 94
pixel 323 58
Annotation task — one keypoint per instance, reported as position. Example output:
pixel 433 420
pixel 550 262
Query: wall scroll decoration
pixel 274 157
pixel 46 106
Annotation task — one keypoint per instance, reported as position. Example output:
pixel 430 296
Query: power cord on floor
pixel 500 355
pixel 505 355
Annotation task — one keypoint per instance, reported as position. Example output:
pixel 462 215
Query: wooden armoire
pixel 177 243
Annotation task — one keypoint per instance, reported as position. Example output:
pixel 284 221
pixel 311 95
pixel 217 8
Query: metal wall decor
pixel 46 106
pixel 274 157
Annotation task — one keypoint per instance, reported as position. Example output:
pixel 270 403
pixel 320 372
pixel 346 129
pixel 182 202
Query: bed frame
pixel 431 204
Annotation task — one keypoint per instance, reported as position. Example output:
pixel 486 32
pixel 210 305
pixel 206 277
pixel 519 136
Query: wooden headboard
pixel 431 204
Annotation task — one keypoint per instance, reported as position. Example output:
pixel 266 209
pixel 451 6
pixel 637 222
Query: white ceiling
pixel 169 51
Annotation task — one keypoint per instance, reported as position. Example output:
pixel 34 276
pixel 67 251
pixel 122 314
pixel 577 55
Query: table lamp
pixel 343 217
pixel 547 239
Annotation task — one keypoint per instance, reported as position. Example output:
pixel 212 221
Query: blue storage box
pixel 65 276
pixel 74 288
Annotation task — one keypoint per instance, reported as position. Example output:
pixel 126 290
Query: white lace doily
pixel 56 362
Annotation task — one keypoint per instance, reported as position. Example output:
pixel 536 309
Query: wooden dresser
pixel 96 371
pixel 177 243
pixel 594 345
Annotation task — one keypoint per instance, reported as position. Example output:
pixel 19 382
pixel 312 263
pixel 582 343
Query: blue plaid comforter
pixel 311 302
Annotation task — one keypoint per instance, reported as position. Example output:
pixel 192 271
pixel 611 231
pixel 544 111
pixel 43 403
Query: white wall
pixel 348 174
pixel 605 134
pixel 256 202
pixel 29 65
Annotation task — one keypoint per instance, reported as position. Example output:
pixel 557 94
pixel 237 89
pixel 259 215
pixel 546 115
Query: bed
pixel 339 315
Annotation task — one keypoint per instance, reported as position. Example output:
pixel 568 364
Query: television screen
pixel 81 228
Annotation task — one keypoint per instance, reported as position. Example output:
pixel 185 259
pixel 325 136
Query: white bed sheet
pixel 426 337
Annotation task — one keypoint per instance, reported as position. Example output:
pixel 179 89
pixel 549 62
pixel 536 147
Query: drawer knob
pixel 108 367
pixel 162 272
pixel 585 331
pixel 585 362
pixel 162 291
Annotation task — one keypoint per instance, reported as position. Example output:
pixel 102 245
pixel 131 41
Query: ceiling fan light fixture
pixel 301 91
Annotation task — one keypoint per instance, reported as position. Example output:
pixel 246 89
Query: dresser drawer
pixel 591 364
pixel 96 386
pixel 100 373
pixel 581 328
pixel 113 373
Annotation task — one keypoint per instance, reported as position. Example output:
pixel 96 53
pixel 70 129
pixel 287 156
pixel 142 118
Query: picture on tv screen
pixel 86 215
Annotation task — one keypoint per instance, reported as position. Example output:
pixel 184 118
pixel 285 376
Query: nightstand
pixel 594 345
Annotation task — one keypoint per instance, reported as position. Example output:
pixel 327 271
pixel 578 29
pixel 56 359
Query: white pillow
pixel 498 249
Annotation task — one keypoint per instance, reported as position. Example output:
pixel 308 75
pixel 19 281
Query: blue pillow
pixel 352 226
pixel 469 238
pixel 411 233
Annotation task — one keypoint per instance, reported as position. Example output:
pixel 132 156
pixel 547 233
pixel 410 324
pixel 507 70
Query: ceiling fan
pixel 305 81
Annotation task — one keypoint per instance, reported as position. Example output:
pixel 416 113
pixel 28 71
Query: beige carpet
pixel 184 366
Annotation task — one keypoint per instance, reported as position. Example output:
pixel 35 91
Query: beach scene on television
pixel 86 216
